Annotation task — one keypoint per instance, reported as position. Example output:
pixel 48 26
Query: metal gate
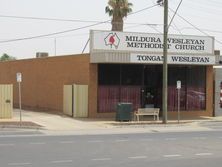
pixel 6 101
pixel 80 99
pixel 68 100
pixel 75 100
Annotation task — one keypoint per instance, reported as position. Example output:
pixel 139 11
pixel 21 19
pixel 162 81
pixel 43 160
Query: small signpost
pixel 178 100
pixel 19 80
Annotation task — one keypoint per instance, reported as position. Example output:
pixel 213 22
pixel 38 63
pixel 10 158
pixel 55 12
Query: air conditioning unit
pixel 42 54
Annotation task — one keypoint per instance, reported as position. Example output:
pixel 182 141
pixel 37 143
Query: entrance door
pixel 152 87
pixel 149 96
pixel 6 101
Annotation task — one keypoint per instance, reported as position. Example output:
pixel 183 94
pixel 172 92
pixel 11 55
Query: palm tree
pixel 118 9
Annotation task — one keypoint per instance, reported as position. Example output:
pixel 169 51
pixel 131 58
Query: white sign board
pixel 19 77
pixel 150 43
pixel 178 84
pixel 172 59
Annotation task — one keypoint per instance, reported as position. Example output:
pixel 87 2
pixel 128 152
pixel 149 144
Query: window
pixel 196 88
pixel 133 83
pixel 109 74
pixel 118 83
pixel 131 74
pixel 176 73
pixel 193 90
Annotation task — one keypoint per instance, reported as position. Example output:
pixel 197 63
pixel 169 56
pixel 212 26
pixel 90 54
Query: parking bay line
pixel 95 141
pixel 203 154
pixel 66 142
pixel 138 157
pixel 37 143
pixel 101 159
pixel 19 164
pixel 172 155
pixel 61 161
pixel 7 144
pixel 121 140
pixel 171 139
pixel 146 140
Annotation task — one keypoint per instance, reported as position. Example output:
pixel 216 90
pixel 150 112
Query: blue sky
pixel 204 14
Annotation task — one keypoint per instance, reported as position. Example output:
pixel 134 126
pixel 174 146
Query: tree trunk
pixel 117 24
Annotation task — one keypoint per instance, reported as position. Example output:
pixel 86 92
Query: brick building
pixel 117 73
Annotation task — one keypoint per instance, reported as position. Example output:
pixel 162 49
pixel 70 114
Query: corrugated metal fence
pixel 75 100
pixel 6 101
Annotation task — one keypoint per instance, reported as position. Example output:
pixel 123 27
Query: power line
pixel 142 10
pixel 70 30
pixel 50 34
pixel 208 30
pixel 47 19
pixel 155 29
pixel 175 13
pixel 66 20
pixel 207 3
pixel 175 26
pixel 194 26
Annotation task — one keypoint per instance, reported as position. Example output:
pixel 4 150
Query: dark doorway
pixel 152 86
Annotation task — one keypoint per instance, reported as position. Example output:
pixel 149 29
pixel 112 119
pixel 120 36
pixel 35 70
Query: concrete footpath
pixel 57 124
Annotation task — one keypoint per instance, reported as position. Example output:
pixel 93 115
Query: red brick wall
pixel 43 79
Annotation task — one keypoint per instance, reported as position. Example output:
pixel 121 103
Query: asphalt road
pixel 188 149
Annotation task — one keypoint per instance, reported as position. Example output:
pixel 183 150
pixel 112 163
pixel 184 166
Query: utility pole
pixel 165 66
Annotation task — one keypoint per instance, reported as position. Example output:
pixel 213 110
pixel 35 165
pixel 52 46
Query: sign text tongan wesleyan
pixel 172 59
